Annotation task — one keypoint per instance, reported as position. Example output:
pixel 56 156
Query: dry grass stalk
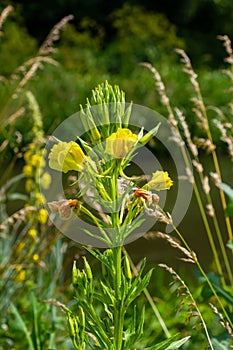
pixel 193 304
pixel 19 216
pixel 191 257
pixel 206 185
pixel 188 69
pixel 192 146
pixel 227 44
pixel 228 139
pixel 14 116
pixel 160 87
pixel 47 46
pixel 34 64
pixel 215 178
pixel 198 166
pixel 190 176
pixel 4 16
pixel 210 210
pixel 223 322
pixel 158 82
pixel 205 144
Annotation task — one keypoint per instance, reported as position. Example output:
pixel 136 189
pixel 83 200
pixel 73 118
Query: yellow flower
pixel 36 160
pixel 160 181
pixel 28 170
pixel 120 142
pixel 45 181
pixel 42 216
pixel 35 257
pixel 27 156
pixel 32 232
pixel 28 185
pixel 20 274
pixel 66 156
pixel 20 247
pixel 40 199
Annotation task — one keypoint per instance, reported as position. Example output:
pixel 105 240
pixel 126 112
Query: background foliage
pixel 104 41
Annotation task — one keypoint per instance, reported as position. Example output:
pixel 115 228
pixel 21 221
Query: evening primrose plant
pixel 112 204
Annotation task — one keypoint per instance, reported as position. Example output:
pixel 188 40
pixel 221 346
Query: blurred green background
pixel 108 40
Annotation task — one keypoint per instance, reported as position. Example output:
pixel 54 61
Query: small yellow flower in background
pixel 35 257
pixel 120 142
pixel 29 185
pixel 42 216
pixel 20 247
pixel 28 170
pixel 40 199
pixel 36 160
pixel 160 181
pixel 66 156
pixel 45 181
pixel 32 232
pixel 20 274
pixel 27 156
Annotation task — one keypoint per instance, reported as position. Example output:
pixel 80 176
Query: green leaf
pixel 108 293
pixel 229 208
pixel 17 196
pixel 215 279
pixel 221 345
pixel 227 189
pixel 103 258
pixel 137 287
pixel 134 333
pixel 22 326
pixel 36 321
pixel 52 341
pixel 169 344
pixel 230 244
pixel 133 226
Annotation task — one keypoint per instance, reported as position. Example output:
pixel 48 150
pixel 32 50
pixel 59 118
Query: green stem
pixel 118 307
pixel 118 312
pixel 208 231
pixel 216 163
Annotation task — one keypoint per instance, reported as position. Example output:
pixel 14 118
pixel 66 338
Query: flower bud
pixel 87 269
pixel 128 272
pixel 146 138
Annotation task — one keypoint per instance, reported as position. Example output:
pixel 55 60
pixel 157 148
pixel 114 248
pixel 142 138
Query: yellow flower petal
pixel 36 160
pixel 40 199
pixel 120 142
pixel 20 274
pixel 66 156
pixel 160 181
pixel 45 181
pixel 32 232
pixel 29 185
pixel 42 216
pixel 35 257
pixel 28 170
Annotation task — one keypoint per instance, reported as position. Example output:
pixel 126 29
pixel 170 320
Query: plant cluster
pixel 104 308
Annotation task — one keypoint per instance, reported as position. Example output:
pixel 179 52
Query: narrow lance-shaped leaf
pixel 229 191
pixel 22 326
pixel 169 344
